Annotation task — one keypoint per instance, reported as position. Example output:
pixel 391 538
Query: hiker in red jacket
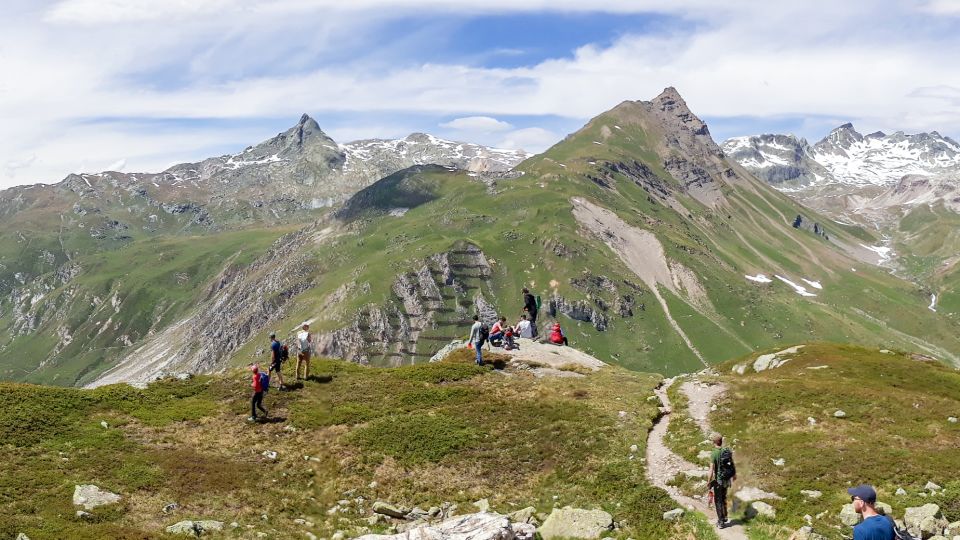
pixel 257 401
pixel 557 336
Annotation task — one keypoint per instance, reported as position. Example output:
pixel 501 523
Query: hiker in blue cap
pixel 874 526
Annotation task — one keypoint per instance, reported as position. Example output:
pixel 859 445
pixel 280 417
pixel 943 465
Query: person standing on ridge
pixel 723 472
pixel 530 308
pixel 305 346
pixel 874 526
pixel 276 358
pixel 257 401
pixel 475 339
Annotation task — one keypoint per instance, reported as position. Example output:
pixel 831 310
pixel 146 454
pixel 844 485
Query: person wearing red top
pixel 557 337
pixel 257 401
pixel 496 333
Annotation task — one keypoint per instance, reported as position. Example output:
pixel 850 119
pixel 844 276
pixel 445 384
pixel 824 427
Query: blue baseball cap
pixel 864 492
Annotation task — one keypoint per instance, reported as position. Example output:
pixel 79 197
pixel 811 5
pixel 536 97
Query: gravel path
pixel 663 465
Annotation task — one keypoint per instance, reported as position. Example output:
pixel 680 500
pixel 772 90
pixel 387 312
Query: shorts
pixel 276 366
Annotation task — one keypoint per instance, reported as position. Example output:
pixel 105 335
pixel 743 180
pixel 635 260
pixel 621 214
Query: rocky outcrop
pixel 570 522
pixel 195 528
pixel 90 496
pixel 481 526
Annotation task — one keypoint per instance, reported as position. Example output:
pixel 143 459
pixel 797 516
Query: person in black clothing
pixel 530 308
pixel 723 473
pixel 276 361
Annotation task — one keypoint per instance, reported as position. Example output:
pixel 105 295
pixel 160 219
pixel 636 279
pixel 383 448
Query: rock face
pixel 570 522
pixel 481 526
pixel 89 496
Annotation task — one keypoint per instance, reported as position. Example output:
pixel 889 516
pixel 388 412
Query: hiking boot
pixel 251 419
pixel 721 524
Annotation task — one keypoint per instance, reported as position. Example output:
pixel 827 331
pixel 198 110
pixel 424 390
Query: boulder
pixel 747 495
pixel 570 522
pixel 673 515
pixel 195 528
pixel 806 533
pixel 388 509
pixel 525 515
pixel 900 492
pixel 482 505
pixel 89 496
pixel 952 530
pixel 22 536
pixel 930 486
pixel 884 508
pixel 924 521
pixel 849 516
pixel 811 493
pixel 839 414
pixel 480 526
pixel 760 509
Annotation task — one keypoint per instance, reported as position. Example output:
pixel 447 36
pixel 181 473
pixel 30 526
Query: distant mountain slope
pixel 652 249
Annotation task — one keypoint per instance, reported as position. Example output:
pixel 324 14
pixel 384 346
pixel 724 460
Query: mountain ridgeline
pixel 651 247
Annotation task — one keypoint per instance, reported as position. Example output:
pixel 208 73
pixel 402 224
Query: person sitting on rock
pixel 496 333
pixel 723 472
pixel 874 526
pixel 509 343
pixel 524 328
pixel 557 337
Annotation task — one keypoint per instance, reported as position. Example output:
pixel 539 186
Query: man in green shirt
pixel 722 474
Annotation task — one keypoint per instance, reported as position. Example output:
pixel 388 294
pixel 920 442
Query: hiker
pixel 258 388
pixel 276 358
pixel 874 525
pixel 496 333
pixel 530 307
pixel 475 338
pixel 305 345
pixel 557 337
pixel 723 472
pixel 523 328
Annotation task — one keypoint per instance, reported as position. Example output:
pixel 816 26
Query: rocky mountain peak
pixel 840 138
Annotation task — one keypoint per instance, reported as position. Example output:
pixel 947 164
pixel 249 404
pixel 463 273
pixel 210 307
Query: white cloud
pixel 477 124
pixel 943 7
pixel 116 166
pixel 534 139
pixel 164 59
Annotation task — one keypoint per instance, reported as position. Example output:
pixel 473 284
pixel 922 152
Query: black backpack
pixel 900 534
pixel 724 467
pixel 484 333
pixel 284 353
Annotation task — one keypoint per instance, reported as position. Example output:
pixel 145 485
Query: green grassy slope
pixel 413 436
pixel 895 434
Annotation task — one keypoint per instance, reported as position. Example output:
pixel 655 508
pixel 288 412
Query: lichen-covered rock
pixel 568 522
pixel 480 526
pixel 924 521
pixel 89 496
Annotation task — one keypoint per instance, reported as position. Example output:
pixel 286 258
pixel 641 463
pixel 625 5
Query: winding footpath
pixel 663 464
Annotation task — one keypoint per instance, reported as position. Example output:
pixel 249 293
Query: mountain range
pixel 655 250
pixel 905 186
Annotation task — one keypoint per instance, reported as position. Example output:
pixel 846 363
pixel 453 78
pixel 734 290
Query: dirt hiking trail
pixel 663 465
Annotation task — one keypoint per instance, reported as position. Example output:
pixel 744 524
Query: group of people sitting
pixel 504 335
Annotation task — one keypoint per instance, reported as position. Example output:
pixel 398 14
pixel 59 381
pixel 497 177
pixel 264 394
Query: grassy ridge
pixel 426 434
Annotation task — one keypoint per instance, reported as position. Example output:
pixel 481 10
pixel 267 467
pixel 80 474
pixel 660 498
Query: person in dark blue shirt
pixel 276 361
pixel 874 526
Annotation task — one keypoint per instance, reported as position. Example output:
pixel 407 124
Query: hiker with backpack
pixel 874 525
pixel 723 472
pixel 261 382
pixel 305 349
pixel 477 338
pixel 531 306
pixel 278 355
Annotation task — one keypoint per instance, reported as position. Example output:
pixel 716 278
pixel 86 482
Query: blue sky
pixel 89 85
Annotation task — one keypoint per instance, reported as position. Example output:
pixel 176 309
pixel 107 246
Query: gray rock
pixel 673 515
pixel 570 522
pixel 901 492
pixel 952 530
pixel 930 486
pixel 83 515
pixel 924 521
pixel 760 509
pixel 22 536
pixel 89 496
pixel 811 493
pixel 523 516
pixel 480 526
pixel 806 533
pixel 839 414
pixel 884 508
pixel 171 507
pixel 952 419
pixel 747 495
pixel 849 516
pixel 388 509
pixel 482 505
pixel 195 528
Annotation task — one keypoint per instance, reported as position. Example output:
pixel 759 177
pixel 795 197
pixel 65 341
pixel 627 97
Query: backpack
pixel 538 302
pixel 900 534
pixel 284 353
pixel 724 467
pixel 484 333
pixel 264 381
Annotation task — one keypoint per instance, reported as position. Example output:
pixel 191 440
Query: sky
pixel 138 85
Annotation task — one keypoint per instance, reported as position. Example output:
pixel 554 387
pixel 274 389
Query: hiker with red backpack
pixel 278 355
pixel 723 472
pixel 261 382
